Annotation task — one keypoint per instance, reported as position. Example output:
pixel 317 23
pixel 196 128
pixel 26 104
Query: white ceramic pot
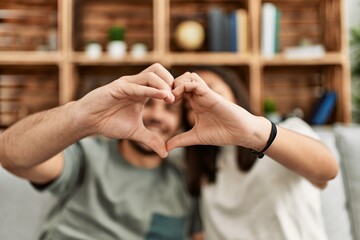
pixel 138 50
pixel 93 50
pixel 116 49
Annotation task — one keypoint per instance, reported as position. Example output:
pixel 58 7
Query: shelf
pixel 208 58
pixel 30 58
pixel 80 58
pixel 28 25
pixel 94 19
pixel 281 60
pixel 27 89
pixel 66 26
pixel 301 86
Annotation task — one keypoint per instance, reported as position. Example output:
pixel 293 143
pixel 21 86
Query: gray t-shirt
pixel 102 196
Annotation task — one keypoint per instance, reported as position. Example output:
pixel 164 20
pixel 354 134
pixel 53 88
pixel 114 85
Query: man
pixel 107 189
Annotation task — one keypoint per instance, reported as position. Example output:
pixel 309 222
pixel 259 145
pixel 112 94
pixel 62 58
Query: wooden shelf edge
pixel 30 58
pixel 81 59
pixel 281 60
pixel 208 58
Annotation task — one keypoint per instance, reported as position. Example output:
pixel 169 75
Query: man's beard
pixel 142 148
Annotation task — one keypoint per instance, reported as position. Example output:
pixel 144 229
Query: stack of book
pixel 228 32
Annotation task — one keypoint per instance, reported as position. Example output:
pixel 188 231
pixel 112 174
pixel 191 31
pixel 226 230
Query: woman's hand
pixel 218 121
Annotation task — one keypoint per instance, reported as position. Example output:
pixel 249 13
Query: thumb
pixel 153 141
pixel 182 140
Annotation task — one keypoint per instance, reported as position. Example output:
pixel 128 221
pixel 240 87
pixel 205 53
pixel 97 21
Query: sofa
pixel 22 209
pixel 341 198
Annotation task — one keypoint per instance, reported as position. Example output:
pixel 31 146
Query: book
pixel 242 30
pixel 234 34
pixel 227 31
pixel 277 30
pixel 305 52
pixel 323 108
pixel 270 32
pixel 225 36
pixel 216 25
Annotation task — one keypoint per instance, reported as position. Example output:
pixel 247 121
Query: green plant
pixel 355 69
pixel 355 50
pixel 269 106
pixel 116 33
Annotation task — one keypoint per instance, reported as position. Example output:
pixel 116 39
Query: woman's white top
pixel 270 202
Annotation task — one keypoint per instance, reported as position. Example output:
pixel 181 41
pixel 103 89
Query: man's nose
pixel 158 111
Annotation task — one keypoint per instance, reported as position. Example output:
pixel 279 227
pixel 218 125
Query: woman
pixel 242 196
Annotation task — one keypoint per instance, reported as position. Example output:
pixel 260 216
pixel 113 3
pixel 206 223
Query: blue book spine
pixel 324 109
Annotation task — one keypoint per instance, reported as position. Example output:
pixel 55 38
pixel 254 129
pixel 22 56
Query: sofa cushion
pixel 22 209
pixel 334 205
pixel 348 144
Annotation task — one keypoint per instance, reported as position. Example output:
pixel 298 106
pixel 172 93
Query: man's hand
pixel 218 121
pixel 115 110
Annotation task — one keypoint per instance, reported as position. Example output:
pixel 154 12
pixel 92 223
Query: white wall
pixel 352 13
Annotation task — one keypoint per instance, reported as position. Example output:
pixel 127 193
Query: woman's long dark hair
pixel 200 160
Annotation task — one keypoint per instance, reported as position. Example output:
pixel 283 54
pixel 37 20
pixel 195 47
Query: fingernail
pixel 171 96
pixel 165 155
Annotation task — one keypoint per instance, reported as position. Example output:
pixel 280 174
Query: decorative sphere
pixel 189 35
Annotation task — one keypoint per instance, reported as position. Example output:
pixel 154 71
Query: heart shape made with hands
pixel 161 144
pixel 195 90
pixel 213 122
pixel 217 120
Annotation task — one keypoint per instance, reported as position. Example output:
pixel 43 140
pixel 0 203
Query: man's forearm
pixel 40 136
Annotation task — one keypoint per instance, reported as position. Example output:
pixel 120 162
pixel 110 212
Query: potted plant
pixel 355 67
pixel 270 110
pixel 116 46
pixel 138 50
pixel 93 49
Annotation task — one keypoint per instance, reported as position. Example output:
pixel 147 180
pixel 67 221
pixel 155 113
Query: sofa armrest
pixel 22 208
pixel 334 201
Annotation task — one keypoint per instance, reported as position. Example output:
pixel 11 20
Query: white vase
pixel 138 50
pixel 93 50
pixel 116 49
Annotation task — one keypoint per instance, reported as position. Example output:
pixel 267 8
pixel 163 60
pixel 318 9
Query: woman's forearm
pixel 304 155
